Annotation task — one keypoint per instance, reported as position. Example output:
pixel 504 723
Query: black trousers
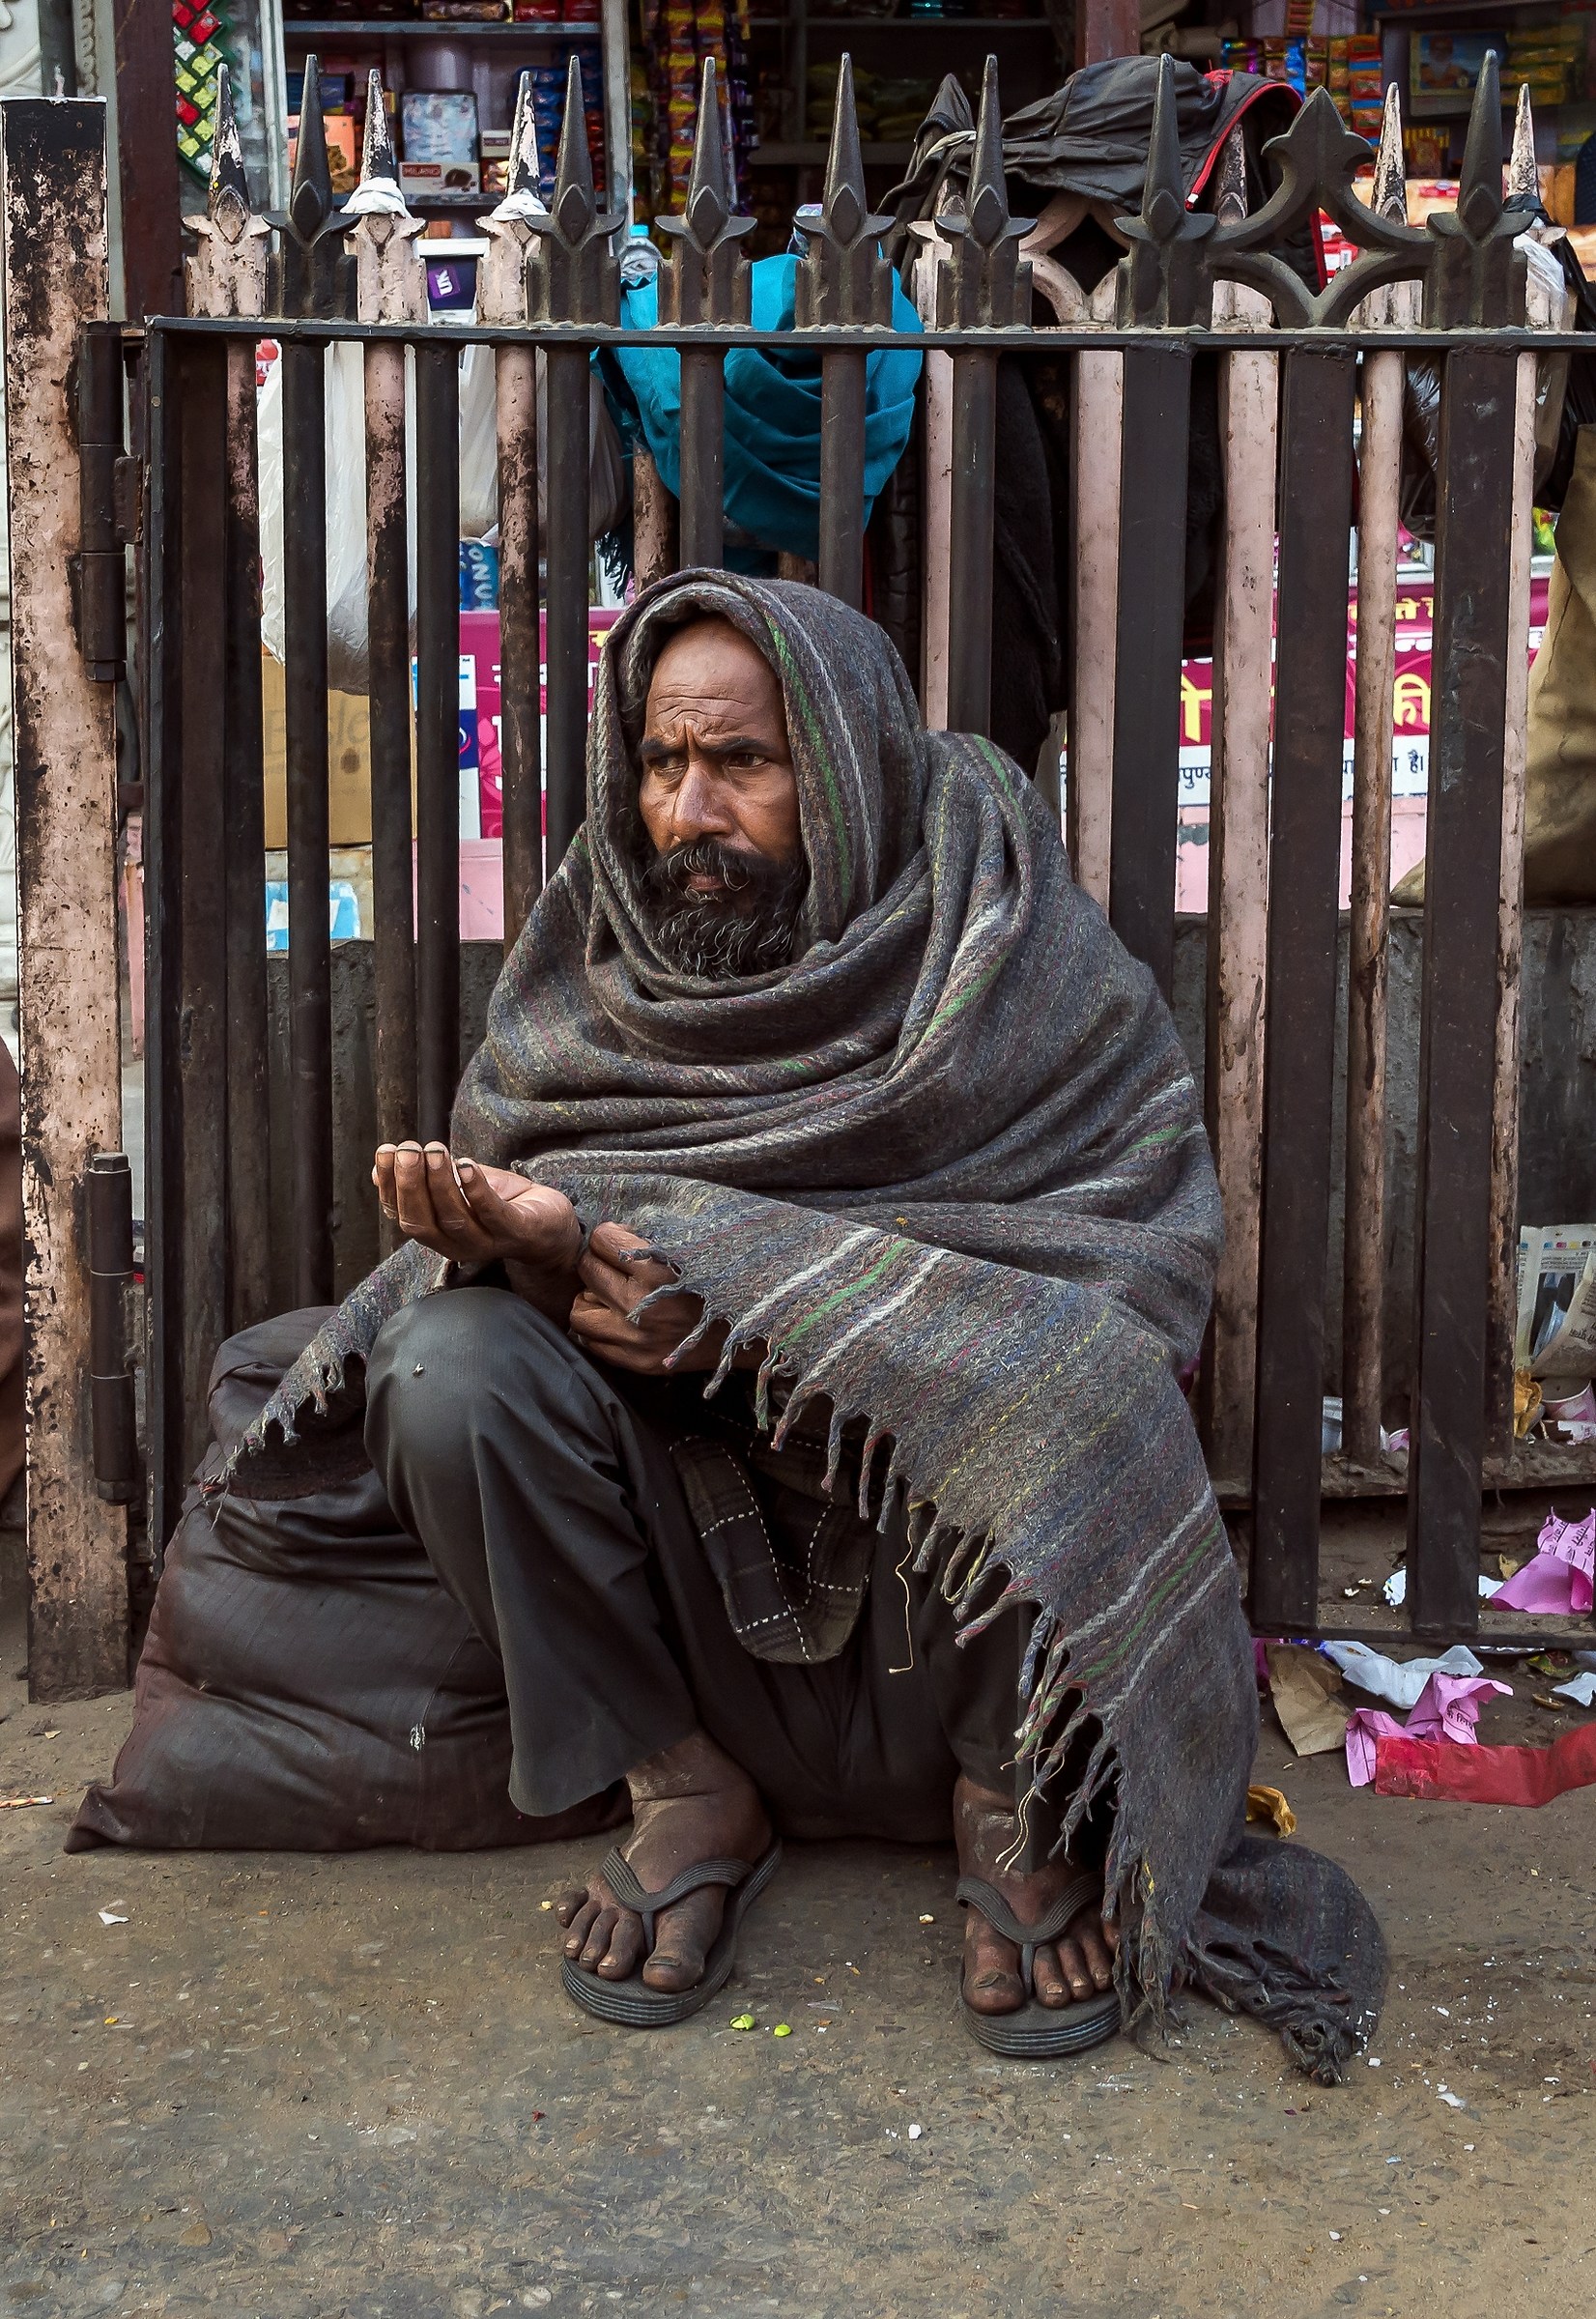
pixel 542 1488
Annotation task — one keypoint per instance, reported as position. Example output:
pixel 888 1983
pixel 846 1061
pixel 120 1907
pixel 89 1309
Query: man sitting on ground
pixel 813 1071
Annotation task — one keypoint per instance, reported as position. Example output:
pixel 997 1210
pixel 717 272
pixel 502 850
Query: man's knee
pixel 439 1366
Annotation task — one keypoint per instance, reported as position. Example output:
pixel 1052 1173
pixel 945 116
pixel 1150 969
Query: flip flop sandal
pixel 1037 2032
pixel 632 2003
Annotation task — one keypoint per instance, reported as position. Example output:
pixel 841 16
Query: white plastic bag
pixel 347 663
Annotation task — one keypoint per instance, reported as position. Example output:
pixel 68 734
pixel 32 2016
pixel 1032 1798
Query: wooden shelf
pixel 358 31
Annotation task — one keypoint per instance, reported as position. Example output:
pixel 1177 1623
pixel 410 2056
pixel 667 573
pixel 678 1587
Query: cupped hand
pixel 616 1278
pixel 475 1214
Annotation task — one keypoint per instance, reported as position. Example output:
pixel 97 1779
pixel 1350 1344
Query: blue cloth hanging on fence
pixel 772 413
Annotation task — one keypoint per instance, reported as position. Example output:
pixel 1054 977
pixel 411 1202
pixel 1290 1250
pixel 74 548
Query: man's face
pixel 720 806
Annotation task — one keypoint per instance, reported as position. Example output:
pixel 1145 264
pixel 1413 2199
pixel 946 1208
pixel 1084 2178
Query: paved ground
pixel 299 2087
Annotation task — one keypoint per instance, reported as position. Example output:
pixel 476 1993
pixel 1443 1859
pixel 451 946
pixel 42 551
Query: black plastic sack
pixel 306 1684
pixel 1421 414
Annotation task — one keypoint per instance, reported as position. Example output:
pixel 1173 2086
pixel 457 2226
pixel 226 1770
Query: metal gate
pixel 1310 383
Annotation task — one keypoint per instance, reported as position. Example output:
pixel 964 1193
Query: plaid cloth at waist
pixel 791 1560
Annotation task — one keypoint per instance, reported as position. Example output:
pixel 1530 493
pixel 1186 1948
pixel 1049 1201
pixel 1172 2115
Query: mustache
pixel 747 928
pixel 667 876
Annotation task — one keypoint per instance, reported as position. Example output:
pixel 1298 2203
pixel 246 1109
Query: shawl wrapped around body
pixel 947 1166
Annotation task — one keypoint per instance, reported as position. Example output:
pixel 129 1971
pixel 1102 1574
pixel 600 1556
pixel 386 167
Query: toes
pixel 1073 1966
pixel 993 1990
pixel 620 1959
pixel 597 1942
pixel 991 1979
pixel 1095 1949
pixel 580 1922
pixel 1052 1989
pixel 568 1904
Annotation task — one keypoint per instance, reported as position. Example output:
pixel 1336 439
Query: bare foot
pixel 690 1803
pixel 1078 1965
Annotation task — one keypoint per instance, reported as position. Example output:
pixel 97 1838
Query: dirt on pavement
pixel 350 2088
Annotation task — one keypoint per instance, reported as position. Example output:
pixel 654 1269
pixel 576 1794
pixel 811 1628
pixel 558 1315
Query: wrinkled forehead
pixel 676 616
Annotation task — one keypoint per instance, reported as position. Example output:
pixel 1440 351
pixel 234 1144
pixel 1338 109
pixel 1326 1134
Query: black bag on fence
pixel 306 1684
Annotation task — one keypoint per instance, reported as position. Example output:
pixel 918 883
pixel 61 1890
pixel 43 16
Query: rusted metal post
pixel 227 275
pixel 1239 835
pixel 52 193
pixel 501 298
pixel 1380 476
pixel 390 285
pixel 1100 395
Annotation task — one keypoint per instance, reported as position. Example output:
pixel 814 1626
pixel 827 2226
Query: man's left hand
pixel 616 1278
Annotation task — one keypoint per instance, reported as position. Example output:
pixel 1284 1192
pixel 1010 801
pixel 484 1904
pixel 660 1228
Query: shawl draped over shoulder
pixel 947 1166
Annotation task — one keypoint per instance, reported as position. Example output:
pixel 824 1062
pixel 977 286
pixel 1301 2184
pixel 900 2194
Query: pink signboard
pixel 482 784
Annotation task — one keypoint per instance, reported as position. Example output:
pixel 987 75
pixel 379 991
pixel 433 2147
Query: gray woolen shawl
pixel 947 1166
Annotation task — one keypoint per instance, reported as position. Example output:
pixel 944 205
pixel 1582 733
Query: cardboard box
pixel 348 761
pixel 421 182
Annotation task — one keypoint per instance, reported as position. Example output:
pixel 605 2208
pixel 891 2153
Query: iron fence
pixel 1310 386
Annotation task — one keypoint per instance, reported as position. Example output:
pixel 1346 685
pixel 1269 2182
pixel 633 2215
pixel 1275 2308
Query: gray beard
pixel 708 936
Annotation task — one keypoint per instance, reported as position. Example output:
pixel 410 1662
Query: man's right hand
pixel 476 1214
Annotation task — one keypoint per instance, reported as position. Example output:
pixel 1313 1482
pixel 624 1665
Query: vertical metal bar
pixel 309 941
pixel 243 777
pixel 520 660
pixel 1363 1253
pixel 53 217
pixel 937 626
pixel 843 480
pixel 1237 897
pixel 1300 1052
pixel 1505 1149
pixel 566 619
pixel 655 523
pixel 1099 386
pixel 1156 407
pixel 704 458
pixel 164 1384
pixel 974 450
pixel 387 629
pixel 436 734
pixel 110 1221
pixel 1458 1027
pixel 198 410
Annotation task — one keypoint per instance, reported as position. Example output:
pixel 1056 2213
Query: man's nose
pixel 701 806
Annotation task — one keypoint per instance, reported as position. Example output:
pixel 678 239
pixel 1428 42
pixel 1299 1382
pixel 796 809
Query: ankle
pixel 695 1766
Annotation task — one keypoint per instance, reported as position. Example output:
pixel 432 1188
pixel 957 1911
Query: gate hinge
pixel 109 505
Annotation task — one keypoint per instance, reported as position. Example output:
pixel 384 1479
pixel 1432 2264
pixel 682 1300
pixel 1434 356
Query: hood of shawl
pixel 853 726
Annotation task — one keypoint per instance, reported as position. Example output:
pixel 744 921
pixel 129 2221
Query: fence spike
pixel 843 275
pixel 1390 187
pixel 572 274
pixel 574 203
pixel 987 204
pixel 524 176
pixel 310 202
pixel 1164 195
pixel 845 203
pixel 1230 199
pixel 377 162
pixel 227 204
pixel 390 277
pixel 984 283
pixel 1524 178
pixel 707 279
pixel 708 203
pixel 226 274
pixel 1479 193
